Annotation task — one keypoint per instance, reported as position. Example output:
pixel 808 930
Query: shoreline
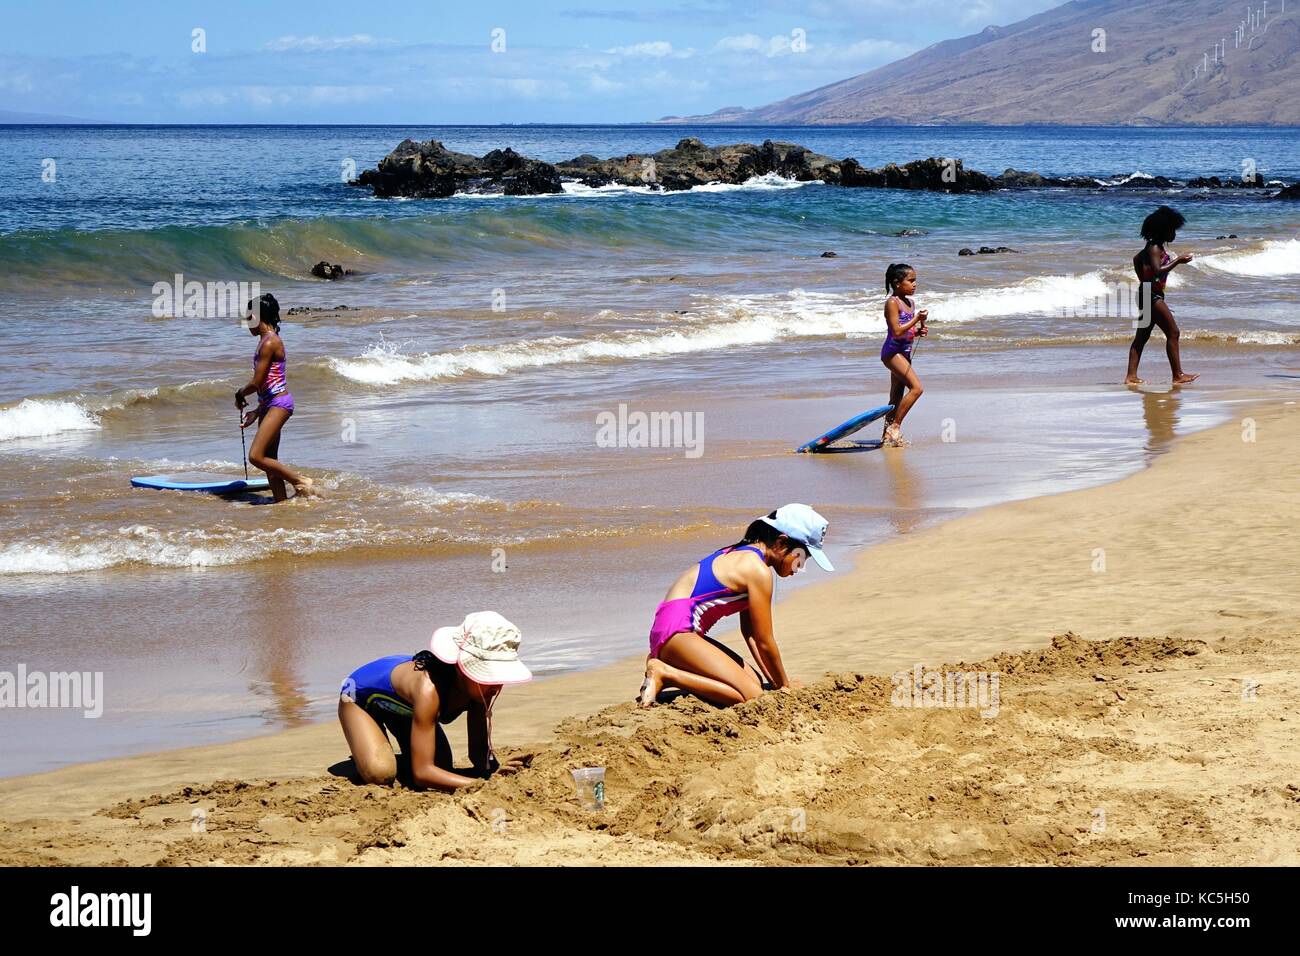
pixel 263 673
pixel 1006 573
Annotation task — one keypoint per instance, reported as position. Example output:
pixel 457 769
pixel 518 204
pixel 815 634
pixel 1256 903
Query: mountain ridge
pixel 1156 69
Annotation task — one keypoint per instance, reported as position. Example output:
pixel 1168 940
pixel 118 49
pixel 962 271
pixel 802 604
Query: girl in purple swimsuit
pixel 274 401
pixel 905 324
pixel 1153 265
pixel 732 580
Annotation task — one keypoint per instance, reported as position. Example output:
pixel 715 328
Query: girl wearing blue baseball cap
pixel 733 580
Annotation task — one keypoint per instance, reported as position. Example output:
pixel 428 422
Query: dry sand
pixel 1144 634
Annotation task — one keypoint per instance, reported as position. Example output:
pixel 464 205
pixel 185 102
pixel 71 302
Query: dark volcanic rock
pixel 985 251
pixel 1020 179
pixel 1290 192
pixel 691 163
pixel 308 309
pixel 830 255
pixel 1214 182
pixel 323 270
pixel 937 175
pixel 431 171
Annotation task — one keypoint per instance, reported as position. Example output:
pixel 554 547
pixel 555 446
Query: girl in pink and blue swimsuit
pixel 274 401
pixel 904 323
pixel 732 580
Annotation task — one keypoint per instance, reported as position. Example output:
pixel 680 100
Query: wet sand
pixel 576 545
pixel 1144 634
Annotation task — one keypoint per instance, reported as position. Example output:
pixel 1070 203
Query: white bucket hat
pixel 485 646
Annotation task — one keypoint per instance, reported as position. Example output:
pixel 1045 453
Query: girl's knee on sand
pixel 377 770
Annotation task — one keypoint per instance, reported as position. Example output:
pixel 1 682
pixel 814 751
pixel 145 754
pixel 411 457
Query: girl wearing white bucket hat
pixel 732 580
pixel 411 696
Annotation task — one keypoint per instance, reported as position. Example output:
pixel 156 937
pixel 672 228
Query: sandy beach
pixel 1142 634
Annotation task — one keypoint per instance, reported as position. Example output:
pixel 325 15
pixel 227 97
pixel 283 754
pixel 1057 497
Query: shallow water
pixel 449 433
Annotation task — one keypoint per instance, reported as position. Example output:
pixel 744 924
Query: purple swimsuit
pixel 275 391
pixel 900 346
pixel 710 601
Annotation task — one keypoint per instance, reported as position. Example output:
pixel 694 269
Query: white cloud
pixel 876 52
pixel 18 83
pixel 601 85
pixel 653 48
pixel 263 97
pixel 744 43
pixel 753 43
pixel 315 44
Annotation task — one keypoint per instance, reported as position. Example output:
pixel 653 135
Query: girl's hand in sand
pixel 516 763
pixel 793 685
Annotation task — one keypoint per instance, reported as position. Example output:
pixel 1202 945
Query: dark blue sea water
pixel 133 177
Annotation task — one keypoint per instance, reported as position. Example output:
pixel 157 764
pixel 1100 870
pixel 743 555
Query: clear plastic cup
pixel 591 787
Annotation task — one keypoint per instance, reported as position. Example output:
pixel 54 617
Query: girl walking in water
pixel 1153 265
pixel 274 401
pixel 905 324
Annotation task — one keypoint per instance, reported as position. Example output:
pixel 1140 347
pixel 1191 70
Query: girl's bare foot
pixel 655 672
pixel 307 487
pixel 1134 380
pixel 894 436
pixel 1185 378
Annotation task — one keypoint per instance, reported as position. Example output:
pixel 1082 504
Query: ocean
pixel 450 410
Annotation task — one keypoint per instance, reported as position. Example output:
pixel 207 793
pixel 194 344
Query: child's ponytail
pixel 266 309
pixel 895 274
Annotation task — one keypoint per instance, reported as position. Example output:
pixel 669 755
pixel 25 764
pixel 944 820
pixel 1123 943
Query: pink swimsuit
pixel 710 601
pixel 274 393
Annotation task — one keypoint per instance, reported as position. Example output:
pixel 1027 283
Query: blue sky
pixel 567 61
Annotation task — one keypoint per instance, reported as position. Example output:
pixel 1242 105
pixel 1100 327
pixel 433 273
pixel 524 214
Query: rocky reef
pixel 431 171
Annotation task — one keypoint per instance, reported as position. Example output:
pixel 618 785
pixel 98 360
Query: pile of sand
pixel 1176 747
pixel 1148 750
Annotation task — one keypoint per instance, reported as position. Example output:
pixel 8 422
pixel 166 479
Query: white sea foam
pixel 722 322
pixel 133 545
pixel 419 497
pixel 728 322
pixel 1137 174
pixel 41 418
pixel 1274 258
pixel 769 181
pixel 1044 295
pixel 1246 336
pixel 191 548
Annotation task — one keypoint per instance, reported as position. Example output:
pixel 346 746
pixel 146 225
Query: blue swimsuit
pixel 371 687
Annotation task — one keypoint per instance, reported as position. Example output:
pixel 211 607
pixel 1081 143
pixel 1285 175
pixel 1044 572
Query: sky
pixel 432 62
